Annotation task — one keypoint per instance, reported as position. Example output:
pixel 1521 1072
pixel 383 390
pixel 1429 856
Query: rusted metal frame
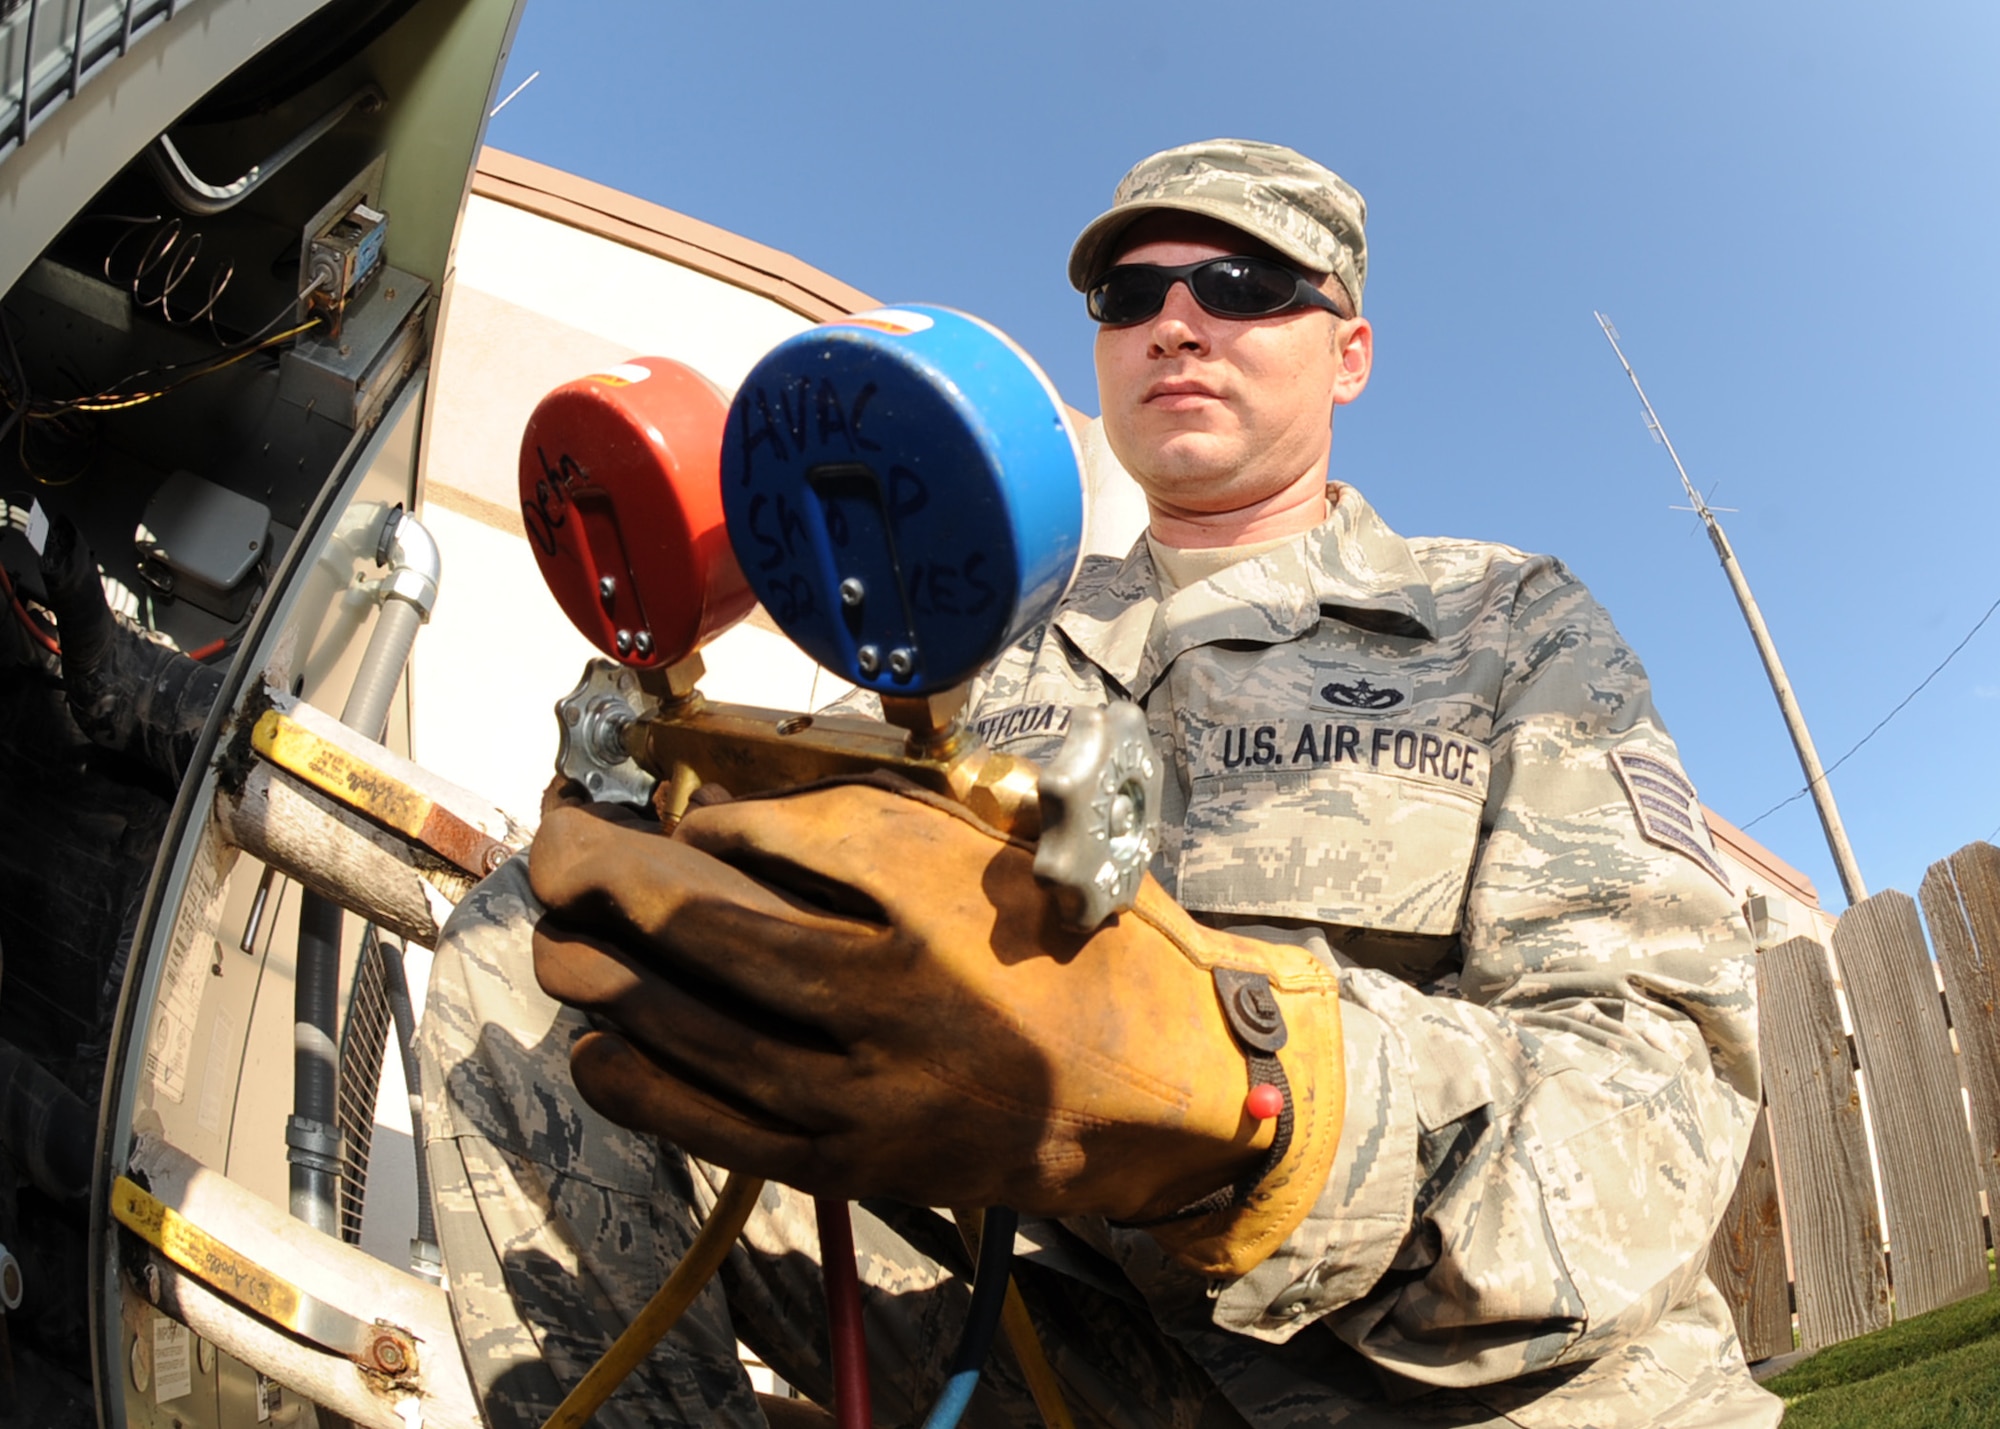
pixel 380 1348
pixel 361 785
pixel 403 1320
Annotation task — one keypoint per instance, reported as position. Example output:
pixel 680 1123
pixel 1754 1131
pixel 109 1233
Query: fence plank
pixel 1961 898
pixel 1937 1250
pixel 1746 1260
pixel 1822 1149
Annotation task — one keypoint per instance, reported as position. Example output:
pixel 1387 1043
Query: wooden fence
pixel 1926 1063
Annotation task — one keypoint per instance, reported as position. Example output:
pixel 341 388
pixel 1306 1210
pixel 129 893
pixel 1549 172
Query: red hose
pixel 843 1314
pixel 48 642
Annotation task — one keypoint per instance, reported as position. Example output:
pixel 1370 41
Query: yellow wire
pixel 107 401
pixel 104 402
pixel 733 1206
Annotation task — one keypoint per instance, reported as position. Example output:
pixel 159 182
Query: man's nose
pixel 1180 325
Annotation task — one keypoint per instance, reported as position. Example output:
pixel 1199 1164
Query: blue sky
pixel 1789 210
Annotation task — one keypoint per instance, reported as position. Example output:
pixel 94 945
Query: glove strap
pixel 1258 1024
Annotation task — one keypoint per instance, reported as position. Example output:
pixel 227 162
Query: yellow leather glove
pixel 860 990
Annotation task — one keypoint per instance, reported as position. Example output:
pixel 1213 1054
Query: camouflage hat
pixel 1304 210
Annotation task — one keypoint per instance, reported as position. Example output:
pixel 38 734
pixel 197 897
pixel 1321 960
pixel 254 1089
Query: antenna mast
pixel 1795 720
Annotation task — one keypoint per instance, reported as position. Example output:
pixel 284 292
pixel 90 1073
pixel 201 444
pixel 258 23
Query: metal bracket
pixel 381 1347
pixel 351 780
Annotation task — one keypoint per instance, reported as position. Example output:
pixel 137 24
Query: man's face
pixel 1212 414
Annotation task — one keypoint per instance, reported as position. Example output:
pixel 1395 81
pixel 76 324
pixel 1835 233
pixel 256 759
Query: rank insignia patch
pixel 1360 695
pixel 1668 812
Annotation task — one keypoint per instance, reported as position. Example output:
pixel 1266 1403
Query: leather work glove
pixel 859 989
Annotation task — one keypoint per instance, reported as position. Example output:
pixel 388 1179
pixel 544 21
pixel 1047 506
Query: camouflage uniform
pixel 1435 764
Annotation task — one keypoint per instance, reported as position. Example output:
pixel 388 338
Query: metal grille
pixel 50 49
pixel 364 1037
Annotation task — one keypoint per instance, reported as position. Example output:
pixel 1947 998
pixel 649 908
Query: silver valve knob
pixel 1100 799
pixel 592 720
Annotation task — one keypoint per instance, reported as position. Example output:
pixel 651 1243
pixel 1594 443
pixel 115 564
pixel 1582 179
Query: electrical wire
pixel 113 397
pixel 113 401
pixel 1855 747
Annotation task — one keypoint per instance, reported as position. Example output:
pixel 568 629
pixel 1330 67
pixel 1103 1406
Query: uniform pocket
pixel 1364 823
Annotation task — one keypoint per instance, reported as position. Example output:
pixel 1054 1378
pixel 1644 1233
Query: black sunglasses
pixel 1236 287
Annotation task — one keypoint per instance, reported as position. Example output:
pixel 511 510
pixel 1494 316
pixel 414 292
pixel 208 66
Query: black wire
pixel 1881 722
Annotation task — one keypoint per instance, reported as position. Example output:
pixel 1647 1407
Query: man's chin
pixel 1188 465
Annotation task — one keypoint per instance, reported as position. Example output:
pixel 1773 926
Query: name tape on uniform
pixel 1432 756
pixel 1021 721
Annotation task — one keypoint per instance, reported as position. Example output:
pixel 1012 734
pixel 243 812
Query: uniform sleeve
pixel 1531 1169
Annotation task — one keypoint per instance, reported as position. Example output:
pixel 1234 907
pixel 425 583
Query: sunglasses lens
pixel 1228 287
pixel 1243 287
pixel 1127 295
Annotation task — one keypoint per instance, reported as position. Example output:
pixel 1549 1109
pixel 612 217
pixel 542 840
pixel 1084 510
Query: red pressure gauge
pixel 621 492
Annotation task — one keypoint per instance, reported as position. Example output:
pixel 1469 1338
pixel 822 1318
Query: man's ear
pixel 1354 347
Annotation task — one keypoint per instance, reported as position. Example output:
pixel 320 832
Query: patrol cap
pixel 1304 210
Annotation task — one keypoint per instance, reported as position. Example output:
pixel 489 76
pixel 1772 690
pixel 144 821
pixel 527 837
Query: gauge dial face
pixel 903 493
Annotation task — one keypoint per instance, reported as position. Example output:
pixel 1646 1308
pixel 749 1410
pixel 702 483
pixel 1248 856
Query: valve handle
pixel 591 721
pixel 1100 800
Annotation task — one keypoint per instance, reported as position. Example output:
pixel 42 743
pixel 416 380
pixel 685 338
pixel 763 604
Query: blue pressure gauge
pixel 903 492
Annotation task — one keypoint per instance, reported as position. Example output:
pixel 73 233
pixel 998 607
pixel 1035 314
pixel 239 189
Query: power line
pixel 1884 720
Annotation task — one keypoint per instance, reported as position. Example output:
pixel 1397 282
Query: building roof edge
pixel 594 208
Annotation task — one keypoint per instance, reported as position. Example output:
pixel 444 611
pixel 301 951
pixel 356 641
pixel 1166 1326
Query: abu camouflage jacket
pixel 1435 763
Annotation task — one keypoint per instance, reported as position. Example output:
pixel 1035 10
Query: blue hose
pixel 982 1320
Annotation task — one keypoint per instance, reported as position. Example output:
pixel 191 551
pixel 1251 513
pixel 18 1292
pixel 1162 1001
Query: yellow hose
pixel 1020 1328
pixel 733 1206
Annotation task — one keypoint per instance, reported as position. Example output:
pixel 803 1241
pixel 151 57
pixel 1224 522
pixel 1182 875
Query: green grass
pixel 1933 1371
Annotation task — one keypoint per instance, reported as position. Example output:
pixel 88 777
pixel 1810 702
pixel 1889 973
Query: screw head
pixel 389 1355
pixel 643 642
pixel 902 662
pixel 852 592
pixel 496 854
pixel 606 589
pixel 153 1283
pixel 868 660
pixel 622 641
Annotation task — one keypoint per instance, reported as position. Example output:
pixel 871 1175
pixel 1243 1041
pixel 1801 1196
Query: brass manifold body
pixel 651 737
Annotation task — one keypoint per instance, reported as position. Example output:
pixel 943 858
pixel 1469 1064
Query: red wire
pixel 214 647
pixel 843 1314
pixel 48 642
